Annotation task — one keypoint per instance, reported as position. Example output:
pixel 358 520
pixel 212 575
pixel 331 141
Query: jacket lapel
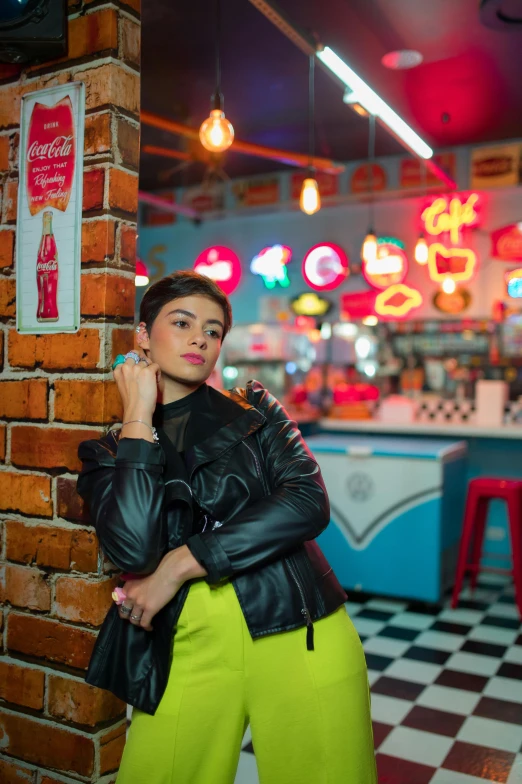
pixel 225 419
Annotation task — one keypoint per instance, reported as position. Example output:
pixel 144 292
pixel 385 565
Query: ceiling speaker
pixel 32 31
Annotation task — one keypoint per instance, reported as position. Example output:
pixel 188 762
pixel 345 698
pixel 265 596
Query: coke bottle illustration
pixel 47 272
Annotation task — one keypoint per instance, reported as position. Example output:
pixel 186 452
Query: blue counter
pixel 396 511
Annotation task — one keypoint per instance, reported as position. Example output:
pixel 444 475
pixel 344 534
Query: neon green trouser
pixel 309 711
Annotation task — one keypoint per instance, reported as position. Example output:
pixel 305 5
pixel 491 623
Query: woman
pixel 231 615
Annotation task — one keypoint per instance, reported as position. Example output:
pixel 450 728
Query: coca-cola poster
pixel 49 223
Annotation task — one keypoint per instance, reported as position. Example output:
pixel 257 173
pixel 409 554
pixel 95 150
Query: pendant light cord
pixel 311 113
pixel 218 100
pixel 371 157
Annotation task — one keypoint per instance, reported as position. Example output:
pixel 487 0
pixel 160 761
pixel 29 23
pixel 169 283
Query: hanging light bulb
pixel 216 133
pixel 142 274
pixel 310 199
pixel 448 285
pixel 421 251
pixel 369 247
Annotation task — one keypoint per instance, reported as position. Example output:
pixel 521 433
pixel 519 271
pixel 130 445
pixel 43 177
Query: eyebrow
pixel 193 316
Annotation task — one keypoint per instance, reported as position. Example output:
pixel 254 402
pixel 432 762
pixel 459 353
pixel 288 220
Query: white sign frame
pixel 67 225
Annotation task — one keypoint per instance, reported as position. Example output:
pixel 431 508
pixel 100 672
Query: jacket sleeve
pixel 125 493
pixel 296 510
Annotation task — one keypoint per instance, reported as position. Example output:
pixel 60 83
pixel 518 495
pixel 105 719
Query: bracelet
pixel 153 429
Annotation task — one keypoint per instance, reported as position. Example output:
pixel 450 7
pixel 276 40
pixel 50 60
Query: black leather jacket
pixel 252 476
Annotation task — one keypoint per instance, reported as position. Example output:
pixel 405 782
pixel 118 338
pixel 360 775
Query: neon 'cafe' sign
pixel 445 220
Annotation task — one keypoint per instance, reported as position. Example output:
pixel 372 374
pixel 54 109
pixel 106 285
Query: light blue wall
pixel 345 225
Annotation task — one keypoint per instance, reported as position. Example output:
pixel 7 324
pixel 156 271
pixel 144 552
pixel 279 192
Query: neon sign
pixel 270 264
pixel 449 216
pixel 325 266
pixel 513 280
pixel 310 304
pixel 397 301
pixel 506 243
pixel 389 267
pixel 221 265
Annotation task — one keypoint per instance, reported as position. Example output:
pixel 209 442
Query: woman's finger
pixel 123 611
pixel 145 621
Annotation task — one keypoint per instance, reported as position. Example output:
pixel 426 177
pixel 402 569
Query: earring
pixel 137 329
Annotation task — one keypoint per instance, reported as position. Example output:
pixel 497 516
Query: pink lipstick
pixel 194 359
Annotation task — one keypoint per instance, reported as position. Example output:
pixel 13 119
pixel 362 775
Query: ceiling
pixel 467 90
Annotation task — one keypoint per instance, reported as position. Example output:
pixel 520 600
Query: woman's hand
pixel 148 595
pixel 138 386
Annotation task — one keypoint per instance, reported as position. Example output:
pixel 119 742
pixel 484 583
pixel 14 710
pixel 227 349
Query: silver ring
pixel 135 617
pixel 133 355
pixel 125 610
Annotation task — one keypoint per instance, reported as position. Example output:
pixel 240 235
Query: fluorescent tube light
pixel 373 103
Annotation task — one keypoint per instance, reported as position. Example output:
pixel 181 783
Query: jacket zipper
pixel 305 612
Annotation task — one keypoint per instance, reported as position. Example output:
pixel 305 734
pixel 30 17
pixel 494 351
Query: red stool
pixel 480 493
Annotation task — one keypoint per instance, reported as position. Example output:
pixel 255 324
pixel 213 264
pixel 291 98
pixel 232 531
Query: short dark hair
pixel 185 283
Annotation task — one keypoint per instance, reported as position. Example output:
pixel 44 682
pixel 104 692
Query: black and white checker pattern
pixel 446 688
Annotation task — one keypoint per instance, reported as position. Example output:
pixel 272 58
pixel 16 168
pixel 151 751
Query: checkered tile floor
pixel 446 688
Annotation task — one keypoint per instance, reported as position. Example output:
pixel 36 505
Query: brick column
pixel 55 391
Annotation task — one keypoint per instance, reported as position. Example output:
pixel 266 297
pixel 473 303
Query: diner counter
pixel 435 429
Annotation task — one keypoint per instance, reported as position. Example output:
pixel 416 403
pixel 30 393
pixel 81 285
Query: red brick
pixel 70 505
pixel 78 351
pixel 50 640
pixel 1 350
pixel 105 85
pixel 97 134
pixel 93 33
pixel 107 295
pixel 122 342
pixel 10 205
pixel 128 243
pixel 83 601
pixel 52 447
pixel 89 34
pixel 46 745
pixel 23 399
pixel 26 493
pixel 21 685
pixel 51 546
pixel 74 700
pixel 12 773
pixel 3 433
pixel 98 240
pixel 7 237
pixel 93 187
pixel 7 297
pixel 123 191
pixel 130 40
pixel 128 139
pixel 87 402
pixel 4 153
pixel 27 588
pixel 111 750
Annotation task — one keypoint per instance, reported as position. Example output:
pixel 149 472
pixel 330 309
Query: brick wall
pixel 55 391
